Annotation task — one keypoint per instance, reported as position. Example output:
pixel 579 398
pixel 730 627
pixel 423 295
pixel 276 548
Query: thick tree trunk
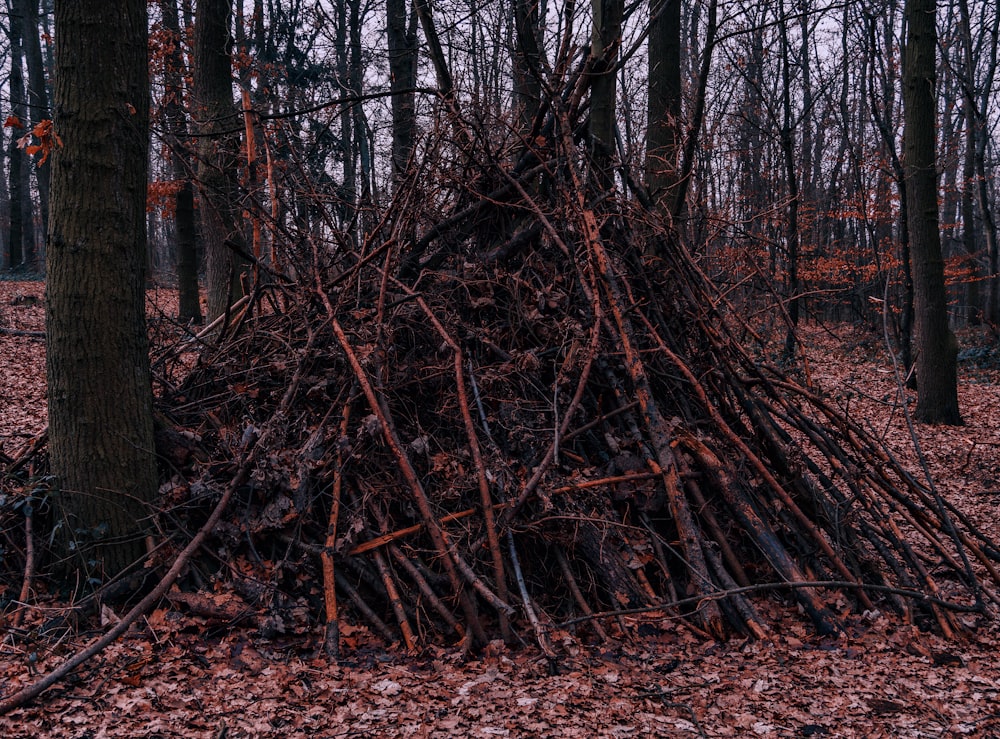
pixel 218 157
pixel 937 369
pixel 100 399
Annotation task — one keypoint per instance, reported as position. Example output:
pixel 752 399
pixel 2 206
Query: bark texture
pixel 100 400
pixel 605 43
pixel 936 361
pixel 218 123
pixel 189 300
pixel 664 105
pixel 401 31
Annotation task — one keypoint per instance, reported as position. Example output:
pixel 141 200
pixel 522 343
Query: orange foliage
pixel 48 140
pixel 161 195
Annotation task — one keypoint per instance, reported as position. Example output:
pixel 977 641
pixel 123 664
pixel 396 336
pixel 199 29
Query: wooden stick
pixel 574 589
pixel 395 601
pixel 544 643
pixel 29 566
pixel 331 639
pixel 447 554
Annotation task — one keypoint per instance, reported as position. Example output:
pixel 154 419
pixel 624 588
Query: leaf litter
pixel 180 674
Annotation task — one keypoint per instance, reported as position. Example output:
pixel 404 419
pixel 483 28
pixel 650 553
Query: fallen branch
pixel 20 332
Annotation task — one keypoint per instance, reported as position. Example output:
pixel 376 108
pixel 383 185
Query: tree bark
pixel 664 104
pixel 189 300
pixel 38 98
pixel 99 393
pixel 20 218
pixel 936 361
pixel 604 47
pixel 218 156
pixel 402 37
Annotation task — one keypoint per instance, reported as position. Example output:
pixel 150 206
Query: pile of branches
pixel 463 438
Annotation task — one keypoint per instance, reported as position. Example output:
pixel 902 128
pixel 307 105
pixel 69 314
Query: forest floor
pixel 178 676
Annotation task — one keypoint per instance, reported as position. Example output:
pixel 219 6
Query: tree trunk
pixel 526 63
pixel 664 104
pixel 988 61
pixel 20 252
pixel 604 46
pixel 99 394
pixel 937 367
pixel 38 98
pixel 4 210
pixel 402 37
pixel 218 157
pixel 189 301
pixel 791 160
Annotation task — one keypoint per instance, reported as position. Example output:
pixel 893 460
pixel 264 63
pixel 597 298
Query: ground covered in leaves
pixel 182 675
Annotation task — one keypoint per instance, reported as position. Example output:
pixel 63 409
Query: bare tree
pixel 38 97
pixel 219 127
pixel 664 102
pixel 936 361
pixel 175 119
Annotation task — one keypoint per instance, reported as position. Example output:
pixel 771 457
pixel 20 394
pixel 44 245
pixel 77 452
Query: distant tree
pixel 189 302
pixel 936 361
pixel 978 98
pixel 605 45
pixel 38 96
pixel 401 32
pixel 99 392
pixel 883 104
pixel 21 239
pixel 664 101
pixel 219 127
pixel 791 155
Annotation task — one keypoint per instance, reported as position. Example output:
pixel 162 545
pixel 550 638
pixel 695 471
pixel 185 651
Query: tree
pixel 219 125
pixel 189 302
pixel 99 392
pixel 936 361
pixel 527 92
pixel 604 48
pixel 38 97
pixel 664 104
pixel 401 32
pixel 791 158
pixel 22 242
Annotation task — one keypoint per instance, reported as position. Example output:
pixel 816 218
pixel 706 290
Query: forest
pixel 499 367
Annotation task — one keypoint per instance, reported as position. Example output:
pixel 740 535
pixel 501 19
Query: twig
pixel 29 564
pixel 543 638
pixel 331 637
pixel 673 704
pixel 20 332
pixel 766 587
